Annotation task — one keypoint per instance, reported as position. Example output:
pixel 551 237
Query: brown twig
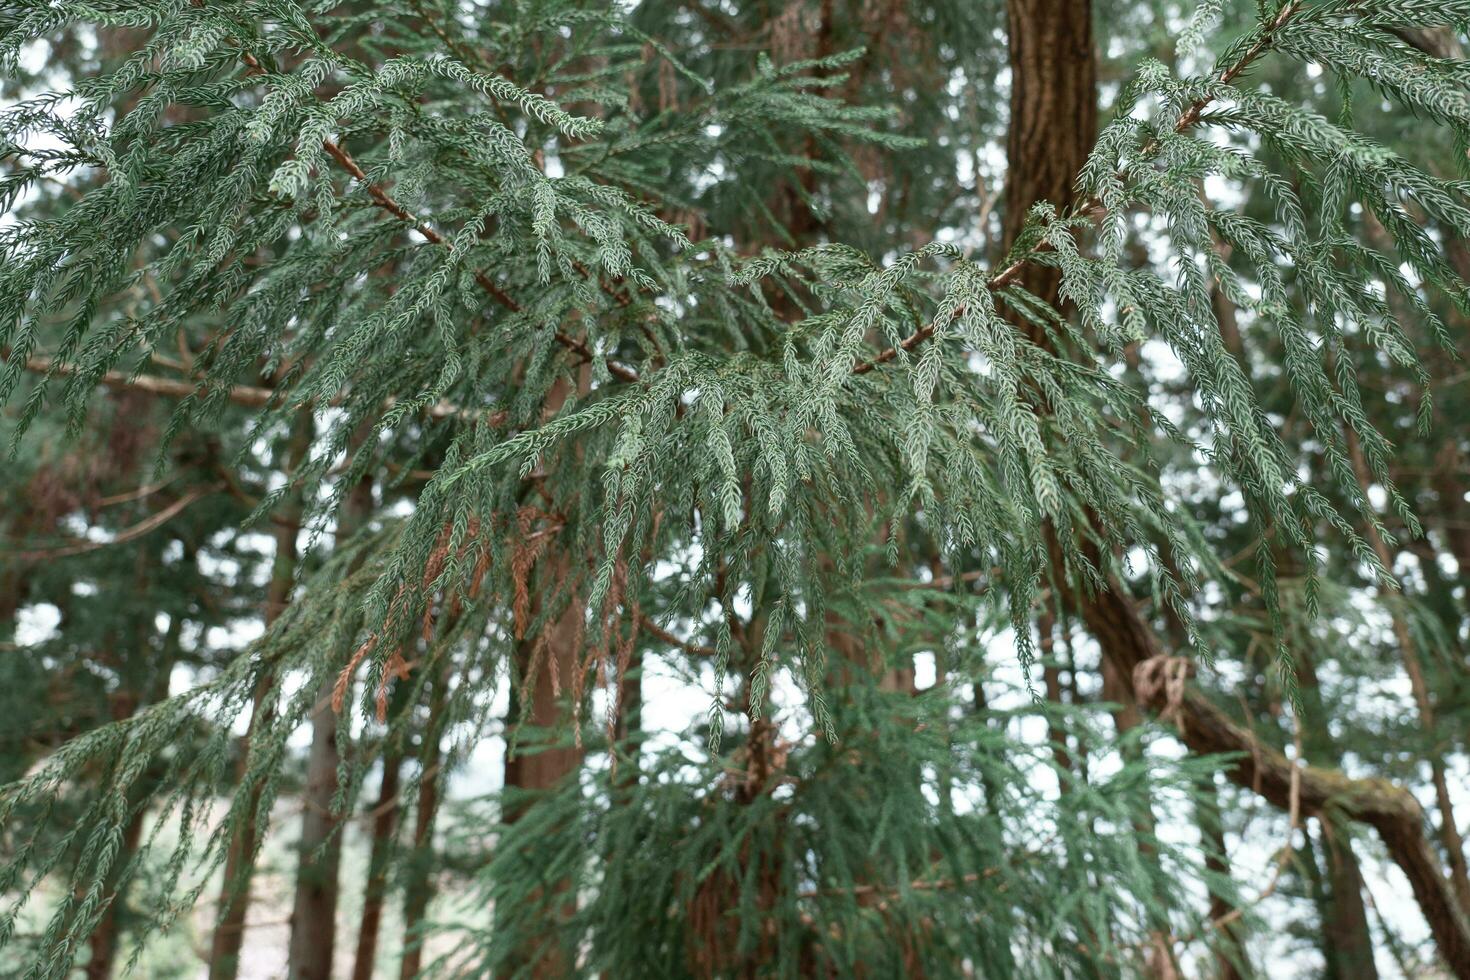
pixel 136 531
pixel 251 396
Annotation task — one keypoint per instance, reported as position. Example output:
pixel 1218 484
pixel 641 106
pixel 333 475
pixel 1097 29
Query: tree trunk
pixel 314 910
pixel 1348 938
pixel 385 823
pixel 234 900
pixel 417 889
pixel 1349 944
pixel 1053 114
pixel 143 680
pixel 629 730
pixel 542 758
pixel 1051 674
pixel 106 936
pixel 1231 962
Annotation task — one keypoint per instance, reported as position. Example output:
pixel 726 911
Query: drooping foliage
pixel 584 292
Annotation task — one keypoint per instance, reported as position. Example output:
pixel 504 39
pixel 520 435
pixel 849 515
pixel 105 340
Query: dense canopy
pixel 723 488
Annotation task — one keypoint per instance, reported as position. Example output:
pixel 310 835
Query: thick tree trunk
pixel 551 759
pixel 234 900
pixel 1053 113
pixel 541 759
pixel 314 909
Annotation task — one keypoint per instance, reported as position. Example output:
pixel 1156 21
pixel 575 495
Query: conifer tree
pixel 515 362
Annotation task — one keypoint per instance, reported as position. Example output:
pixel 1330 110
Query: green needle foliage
pixel 520 262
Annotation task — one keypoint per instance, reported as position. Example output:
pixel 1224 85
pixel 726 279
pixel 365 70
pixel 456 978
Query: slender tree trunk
pixel 385 823
pixel 629 731
pixel 543 758
pixel 106 937
pixel 314 910
pixel 234 900
pixel 1347 931
pixel 1051 673
pixel 1231 962
pixel 1348 939
pixel 149 684
pixel 418 889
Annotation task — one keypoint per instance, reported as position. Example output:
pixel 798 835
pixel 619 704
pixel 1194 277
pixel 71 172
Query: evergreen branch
pixel 386 201
pixel 662 634
pixel 249 396
pixel 1187 121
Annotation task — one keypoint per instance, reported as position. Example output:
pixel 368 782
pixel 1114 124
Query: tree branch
pixel 1188 120
pixel 251 396
pixel 1130 643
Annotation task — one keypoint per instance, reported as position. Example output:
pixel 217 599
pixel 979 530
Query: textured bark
pixel 1053 114
pixel 314 909
pixel 385 824
pixel 542 759
pixel 229 930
